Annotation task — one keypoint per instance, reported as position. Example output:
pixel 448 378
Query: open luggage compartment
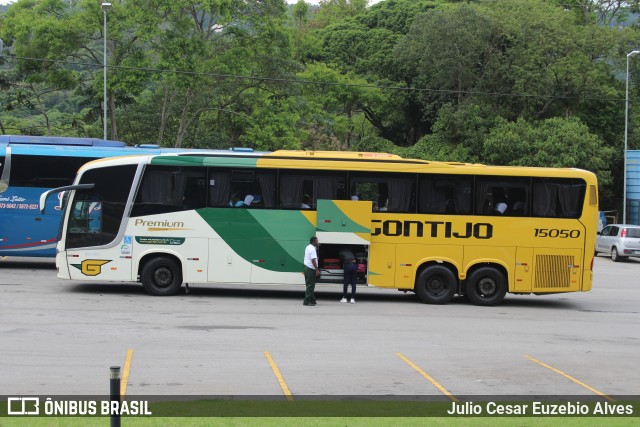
pixel 330 262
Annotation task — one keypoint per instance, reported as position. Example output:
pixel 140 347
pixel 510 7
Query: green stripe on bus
pixel 274 238
pixel 177 161
pixel 231 161
pixel 204 161
pixel 336 215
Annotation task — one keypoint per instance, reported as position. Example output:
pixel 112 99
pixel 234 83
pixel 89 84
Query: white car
pixel 619 241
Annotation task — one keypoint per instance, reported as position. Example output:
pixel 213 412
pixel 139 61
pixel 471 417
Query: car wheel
pixel 615 257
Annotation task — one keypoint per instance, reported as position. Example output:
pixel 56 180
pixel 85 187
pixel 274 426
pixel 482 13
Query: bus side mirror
pixel 61 198
pixel 44 196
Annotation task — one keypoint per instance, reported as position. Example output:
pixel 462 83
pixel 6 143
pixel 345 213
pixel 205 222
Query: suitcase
pixel 331 263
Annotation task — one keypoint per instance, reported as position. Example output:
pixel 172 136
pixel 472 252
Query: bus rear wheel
pixel 436 285
pixel 486 286
pixel 161 276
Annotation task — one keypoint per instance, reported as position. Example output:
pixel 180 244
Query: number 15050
pixel 555 233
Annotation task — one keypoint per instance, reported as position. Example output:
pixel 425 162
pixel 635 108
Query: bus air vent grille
pixel 553 271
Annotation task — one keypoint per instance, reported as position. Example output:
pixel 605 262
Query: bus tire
pixel 436 285
pixel 161 276
pixel 486 286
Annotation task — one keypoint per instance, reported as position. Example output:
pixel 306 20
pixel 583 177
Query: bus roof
pixel 59 141
pixel 332 160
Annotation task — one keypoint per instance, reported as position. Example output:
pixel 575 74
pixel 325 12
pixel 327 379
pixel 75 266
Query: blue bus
pixel 31 165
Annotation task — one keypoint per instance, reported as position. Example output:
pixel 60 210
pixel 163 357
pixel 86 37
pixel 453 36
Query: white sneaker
pixel 352 301
pixel 343 300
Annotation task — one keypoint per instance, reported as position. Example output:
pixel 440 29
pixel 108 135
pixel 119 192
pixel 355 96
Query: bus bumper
pixel 62 265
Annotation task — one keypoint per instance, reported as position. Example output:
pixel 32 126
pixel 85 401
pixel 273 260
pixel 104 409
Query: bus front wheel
pixel 486 286
pixel 436 285
pixel 161 276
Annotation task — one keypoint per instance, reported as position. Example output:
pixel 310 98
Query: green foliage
pixel 375 144
pixel 600 12
pixel 301 12
pixel 458 135
pixel 554 142
pixel 272 125
pixel 335 10
pixel 509 82
pixel 339 103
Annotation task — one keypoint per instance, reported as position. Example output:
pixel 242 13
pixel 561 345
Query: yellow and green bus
pixel 434 228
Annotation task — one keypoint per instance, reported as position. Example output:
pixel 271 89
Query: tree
pixel 301 12
pixel 601 12
pixel 341 104
pixel 206 49
pixel 555 142
pixel 331 11
pixel 35 30
pixel 273 124
pixel 364 44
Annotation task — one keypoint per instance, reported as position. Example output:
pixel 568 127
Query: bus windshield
pixel 96 214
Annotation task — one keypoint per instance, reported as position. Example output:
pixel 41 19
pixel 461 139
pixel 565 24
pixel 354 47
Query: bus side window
pixel 44 171
pixel 194 193
pixel 558 197
pixel 388 192
pixel 242 188
pixel 502 195
pixel 166 189
pixel 440 194
pixel 303 189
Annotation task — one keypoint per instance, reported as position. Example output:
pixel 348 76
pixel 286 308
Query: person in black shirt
pixel 350 272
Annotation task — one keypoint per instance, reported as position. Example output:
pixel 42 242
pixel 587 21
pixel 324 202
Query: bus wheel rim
pixel 162 277
pixel 436 285
pixel 487 287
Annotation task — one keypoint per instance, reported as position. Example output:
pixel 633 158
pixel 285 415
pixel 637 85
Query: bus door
pixel 86 225
pixel 342 224
pixel 96 245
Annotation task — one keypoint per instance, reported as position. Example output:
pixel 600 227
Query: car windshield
pixel 633 232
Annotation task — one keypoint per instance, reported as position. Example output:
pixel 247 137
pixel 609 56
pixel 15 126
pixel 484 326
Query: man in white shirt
pixel 311 271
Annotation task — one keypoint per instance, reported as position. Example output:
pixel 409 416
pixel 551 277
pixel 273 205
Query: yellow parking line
pixel 276 372
pixel 557 371
pixel 429 378
pixel 125 373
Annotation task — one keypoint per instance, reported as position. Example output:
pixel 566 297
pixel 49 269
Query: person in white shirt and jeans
pixel 311 271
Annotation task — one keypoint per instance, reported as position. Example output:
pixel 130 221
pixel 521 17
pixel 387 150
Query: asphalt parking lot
pixel 60 337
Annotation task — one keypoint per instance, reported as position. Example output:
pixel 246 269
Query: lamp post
pixel 626 139
pixel 105 8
